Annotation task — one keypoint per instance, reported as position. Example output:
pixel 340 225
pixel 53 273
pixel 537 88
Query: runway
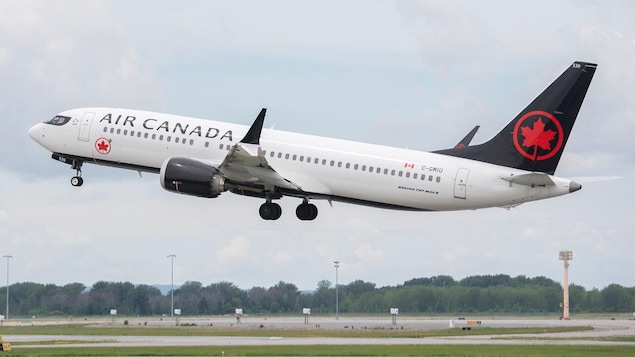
pixel 602 329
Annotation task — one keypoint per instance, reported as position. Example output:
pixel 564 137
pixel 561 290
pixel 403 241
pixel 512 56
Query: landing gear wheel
pixel 77 181
pixel 306 211
pixel 270 211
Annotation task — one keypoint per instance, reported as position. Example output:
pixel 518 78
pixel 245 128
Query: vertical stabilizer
pixel 535 139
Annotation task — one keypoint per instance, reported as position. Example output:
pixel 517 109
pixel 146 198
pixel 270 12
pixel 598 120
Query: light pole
pixel 172 256
pixel 7 310
pixel 565 255
pixel 337 302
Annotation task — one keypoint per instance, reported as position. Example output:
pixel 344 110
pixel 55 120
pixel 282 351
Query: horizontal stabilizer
pixel 530 179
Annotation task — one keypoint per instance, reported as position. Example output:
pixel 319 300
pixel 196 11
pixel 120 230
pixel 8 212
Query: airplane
pixel 205 158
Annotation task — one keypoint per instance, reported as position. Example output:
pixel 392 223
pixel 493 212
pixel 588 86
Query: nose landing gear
pixel 77 180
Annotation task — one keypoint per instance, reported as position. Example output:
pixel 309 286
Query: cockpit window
pixel 59 120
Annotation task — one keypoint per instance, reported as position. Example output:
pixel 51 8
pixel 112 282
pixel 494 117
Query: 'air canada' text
pixel 168 127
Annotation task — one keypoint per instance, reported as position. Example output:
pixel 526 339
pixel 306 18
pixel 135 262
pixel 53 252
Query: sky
pixel 416 74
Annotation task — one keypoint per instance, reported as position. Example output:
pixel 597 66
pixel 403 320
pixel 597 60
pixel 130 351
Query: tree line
pixel 438 294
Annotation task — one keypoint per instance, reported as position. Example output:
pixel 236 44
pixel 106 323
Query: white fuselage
pixel 325 167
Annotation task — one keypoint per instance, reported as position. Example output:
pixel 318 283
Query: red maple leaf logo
pixel 102 146
pixel 537 136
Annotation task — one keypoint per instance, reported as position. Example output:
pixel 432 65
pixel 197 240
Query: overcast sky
pixel 417 74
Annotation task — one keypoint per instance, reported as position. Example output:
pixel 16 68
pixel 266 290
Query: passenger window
pixel 168 138
pixel 348 165
pixel 392 172
pixel 112 130
pixel 301 158
pixel 316 160
pixel 105 129
pixel 272 154
pixel 286 156
pixel 176 140
pixel 400 173
pixel 423 177
pixel 154 136
pixel 339 164
pixel 138 134
pixel 414 176
pixel 438 178
pixel 323 161
pixel 192 142
pixel 363 167
pixel 279 155
pixel 430 178
pixel 295 157
pixel 332 162
pixel 118 131
pixel 356 166
pixel 131 132
pixel 207 144
pixel 161 137
pixel 407 174
pixel 145 136
pixel 385 171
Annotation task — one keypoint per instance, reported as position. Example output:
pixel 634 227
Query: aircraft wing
pixel 245 162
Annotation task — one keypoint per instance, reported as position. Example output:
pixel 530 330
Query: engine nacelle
pixel 191 177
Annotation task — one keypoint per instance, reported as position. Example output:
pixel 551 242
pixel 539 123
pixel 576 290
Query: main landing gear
pixel 77 180
pixel 271 211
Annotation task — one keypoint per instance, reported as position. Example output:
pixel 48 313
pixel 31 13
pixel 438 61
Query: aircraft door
pixel 84 126
pixel 460 183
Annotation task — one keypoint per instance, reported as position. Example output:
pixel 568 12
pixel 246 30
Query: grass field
pixel 61 348
pixel 386 350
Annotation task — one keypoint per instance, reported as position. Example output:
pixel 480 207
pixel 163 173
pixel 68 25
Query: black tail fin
pixel 535 139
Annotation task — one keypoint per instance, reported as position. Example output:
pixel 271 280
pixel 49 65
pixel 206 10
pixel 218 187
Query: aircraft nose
pixel 36 132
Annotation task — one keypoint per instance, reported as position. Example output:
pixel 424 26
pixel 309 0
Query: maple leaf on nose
pixel 537 136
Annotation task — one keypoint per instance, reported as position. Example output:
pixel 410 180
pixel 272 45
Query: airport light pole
pixel 565 255
pixel 7 310
pixel 172 256
pixel 337 302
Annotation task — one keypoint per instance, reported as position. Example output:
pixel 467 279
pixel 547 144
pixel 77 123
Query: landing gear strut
pixel 77 180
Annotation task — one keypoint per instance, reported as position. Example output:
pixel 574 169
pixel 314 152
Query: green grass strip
pixel 384 350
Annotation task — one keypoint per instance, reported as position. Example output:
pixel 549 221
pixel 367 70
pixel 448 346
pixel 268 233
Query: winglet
pixel 467 139
pixel 253 135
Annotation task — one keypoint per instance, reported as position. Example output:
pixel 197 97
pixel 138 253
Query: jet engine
pixel 191 177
